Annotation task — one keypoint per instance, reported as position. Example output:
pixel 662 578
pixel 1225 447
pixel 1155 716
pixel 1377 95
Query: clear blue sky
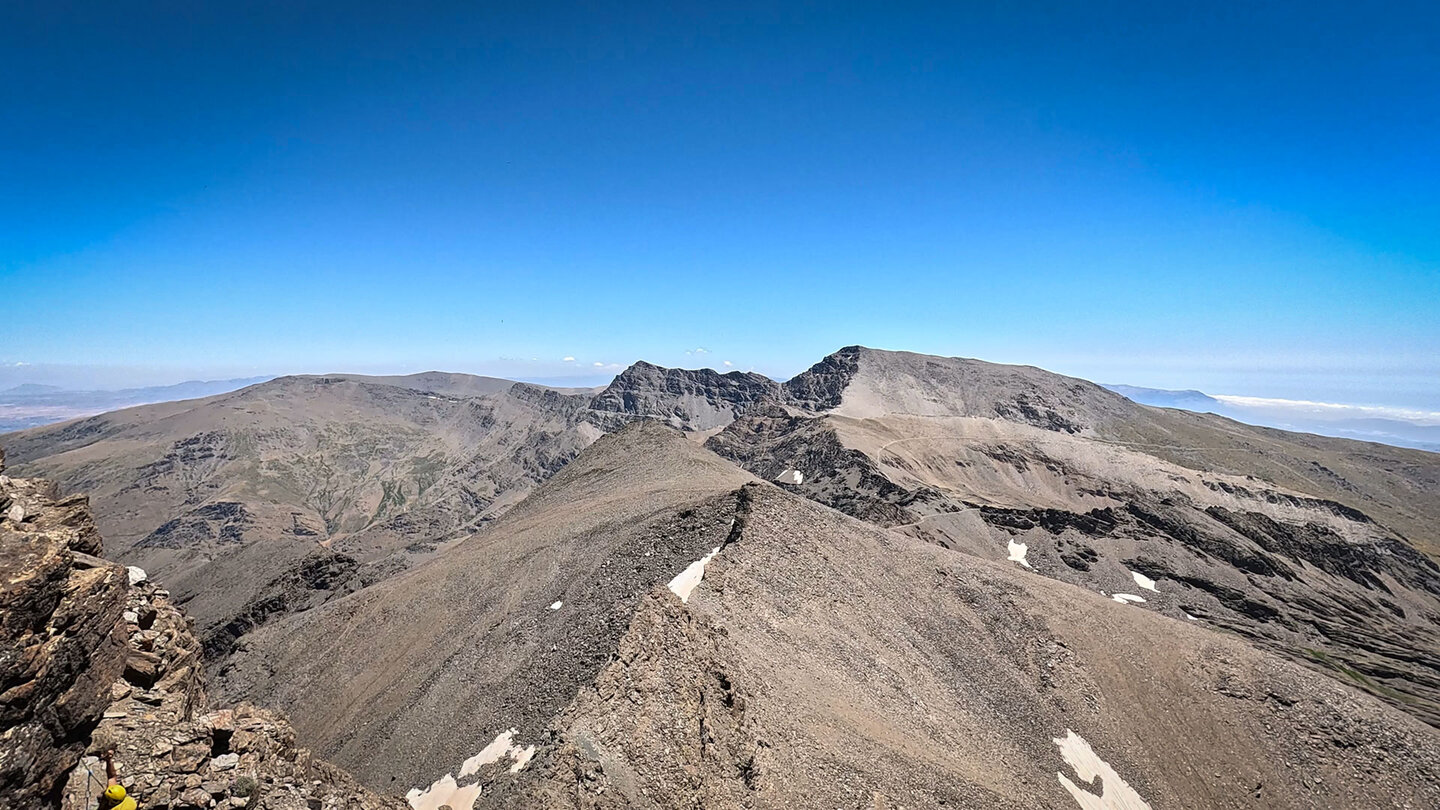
pixel 1239 197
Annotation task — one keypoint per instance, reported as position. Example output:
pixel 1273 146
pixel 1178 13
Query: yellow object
pixel 117 800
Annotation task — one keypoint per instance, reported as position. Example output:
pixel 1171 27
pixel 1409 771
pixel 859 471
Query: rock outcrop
pixel 95 657
pixel 171 750
pixel 61 641
pixel 687 399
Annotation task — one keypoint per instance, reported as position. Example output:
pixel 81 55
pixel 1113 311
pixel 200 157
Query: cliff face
pixel 96 657
pixel 688 399
pixel 61 640
pixel 172 750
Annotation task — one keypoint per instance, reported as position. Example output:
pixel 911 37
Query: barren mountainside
pixel 894 580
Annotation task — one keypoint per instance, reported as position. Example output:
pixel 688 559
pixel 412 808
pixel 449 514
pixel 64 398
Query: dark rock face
pixel 61 641
pixel 689 399
pixel 220 523
pixel 822 386
pixel 1321 547
pixel 772 440
pixel 315 580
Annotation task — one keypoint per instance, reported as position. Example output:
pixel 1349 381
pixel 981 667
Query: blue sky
pixel 1242 199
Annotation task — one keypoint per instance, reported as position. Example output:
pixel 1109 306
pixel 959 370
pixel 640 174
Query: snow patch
pixel 556 605
pixel 1144 582
pixel 444 792
pixel 1191 618
pixel 1115 793
pixel 1124 598
pixel 791 477
pixel 502 746
pixel 686 580
pixel 1018 552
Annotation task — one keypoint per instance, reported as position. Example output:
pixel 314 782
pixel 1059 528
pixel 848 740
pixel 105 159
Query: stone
pixel 64 617
pixel 196 797
pixel 142 668
pixel 224 762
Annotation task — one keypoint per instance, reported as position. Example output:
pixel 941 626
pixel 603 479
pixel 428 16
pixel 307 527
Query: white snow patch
pixel 444 792
pixel 686 580
pixel 1018 552
pixel 502 746
pixel 556 605
pixel 1144 582
pixel 137 574
pixel 447 791
pixel 522 758
pixel 1115 793
pixel 1123 598
pixel 791 477
pixel 1191 618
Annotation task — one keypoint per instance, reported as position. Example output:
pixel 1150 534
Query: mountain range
pixel 32 405
pixel 894 580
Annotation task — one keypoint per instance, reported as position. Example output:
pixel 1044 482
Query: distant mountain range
pixel 31 405
pixel 893 580
pixel 1394 426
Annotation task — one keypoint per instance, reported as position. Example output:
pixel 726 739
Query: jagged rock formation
pixel 94 657
pixel 173 750
pixel 687 399
pixel 61 642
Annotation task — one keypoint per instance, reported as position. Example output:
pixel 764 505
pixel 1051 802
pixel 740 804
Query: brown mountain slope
pixel 286 493
pixel 419 672
pixel 1087 487
pixel 819 662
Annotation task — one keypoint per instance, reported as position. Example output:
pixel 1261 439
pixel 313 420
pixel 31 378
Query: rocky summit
pixel 894 580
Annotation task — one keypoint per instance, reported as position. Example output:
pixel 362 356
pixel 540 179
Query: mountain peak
pixel 689 399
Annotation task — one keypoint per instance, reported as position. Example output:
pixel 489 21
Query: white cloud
pixel 701 350
pixel 729 364
pixel 1331 410
pixel 567 360
pixel 599 364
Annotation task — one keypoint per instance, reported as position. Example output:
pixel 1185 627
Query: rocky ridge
pixel 61 638
pixel 174 751
pixel 94 657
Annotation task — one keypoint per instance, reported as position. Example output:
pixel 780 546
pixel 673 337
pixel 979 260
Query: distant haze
pixel 34 404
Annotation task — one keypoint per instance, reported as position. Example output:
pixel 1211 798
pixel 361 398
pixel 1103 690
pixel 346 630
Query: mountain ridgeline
pixel 893 580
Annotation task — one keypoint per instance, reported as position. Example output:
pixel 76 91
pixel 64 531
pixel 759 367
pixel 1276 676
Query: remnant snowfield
pixel 790 477
pixel 1144 582
pixel 1126 598
pixel 556 605
pixel 502 746
pixel 1018 552
pixel 444 793
pixel 447 792
pixel 1115 793
pixel 686 580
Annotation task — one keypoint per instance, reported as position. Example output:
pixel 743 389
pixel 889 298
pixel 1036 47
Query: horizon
pixel 1235 200
pixel 85 379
